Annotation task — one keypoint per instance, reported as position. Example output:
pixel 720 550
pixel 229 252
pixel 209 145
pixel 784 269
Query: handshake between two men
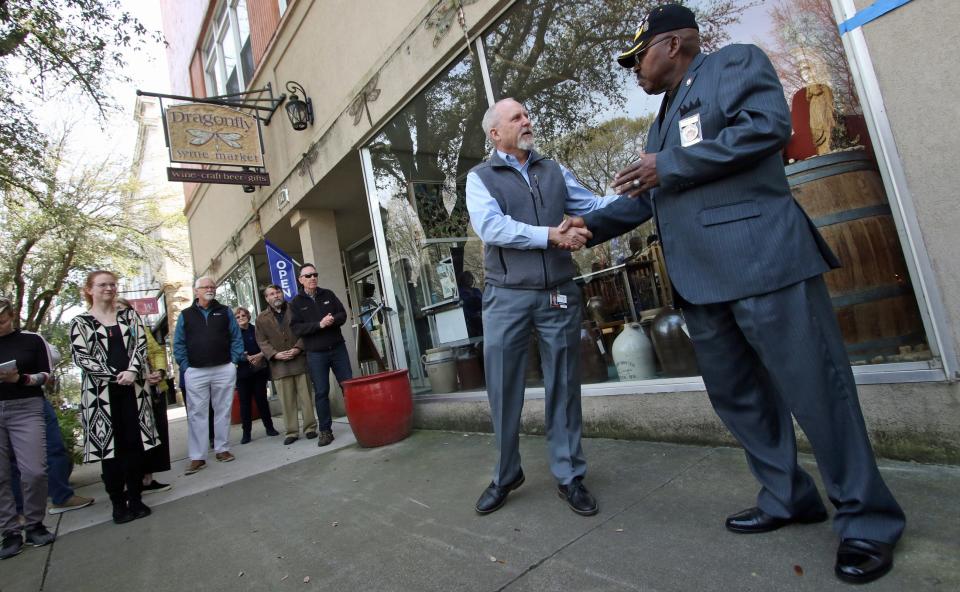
pixel 636 178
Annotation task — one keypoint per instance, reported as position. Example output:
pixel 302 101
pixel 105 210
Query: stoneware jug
pixel 593 368
pixel 633 354
pixel 672 345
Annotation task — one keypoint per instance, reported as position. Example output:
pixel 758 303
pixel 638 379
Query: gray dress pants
pixel 23 432
pixel 508 317
pixel 769 357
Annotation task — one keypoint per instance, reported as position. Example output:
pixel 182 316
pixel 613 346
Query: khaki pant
pixel 295 393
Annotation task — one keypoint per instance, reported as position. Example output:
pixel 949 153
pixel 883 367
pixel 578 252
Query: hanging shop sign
pixel 201 133
pixel 145 306
pixel 222 177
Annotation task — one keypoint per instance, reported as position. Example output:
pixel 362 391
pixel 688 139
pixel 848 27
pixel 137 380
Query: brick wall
pixel 264 17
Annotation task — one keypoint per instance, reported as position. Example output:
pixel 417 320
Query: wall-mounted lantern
pixel 299 112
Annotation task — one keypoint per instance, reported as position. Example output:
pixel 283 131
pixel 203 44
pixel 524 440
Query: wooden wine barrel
pixel 871 293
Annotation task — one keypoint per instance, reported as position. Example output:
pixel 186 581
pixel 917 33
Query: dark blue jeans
pixel 58 464
pixel 320 364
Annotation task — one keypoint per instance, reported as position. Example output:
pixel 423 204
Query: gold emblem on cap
pixel 641 29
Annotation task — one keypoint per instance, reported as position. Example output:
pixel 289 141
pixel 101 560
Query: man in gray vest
pixel 517 200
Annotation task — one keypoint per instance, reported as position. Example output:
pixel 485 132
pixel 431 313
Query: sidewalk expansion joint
pixel 606 521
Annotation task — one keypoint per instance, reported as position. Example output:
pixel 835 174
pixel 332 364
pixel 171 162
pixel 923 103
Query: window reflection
pixel 556 57
pixel 420 161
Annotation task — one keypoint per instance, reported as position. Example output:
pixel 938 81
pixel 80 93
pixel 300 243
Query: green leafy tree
pixel 50 48
pixel 553 55
pixel 87 216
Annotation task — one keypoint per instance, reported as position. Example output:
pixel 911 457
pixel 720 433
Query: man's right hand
pixel 571 235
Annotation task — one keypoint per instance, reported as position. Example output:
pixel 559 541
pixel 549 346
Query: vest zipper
pixel 536 214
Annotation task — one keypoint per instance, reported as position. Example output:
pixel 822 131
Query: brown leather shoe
pixel 326 437
pixel 225 457
pixel 195 465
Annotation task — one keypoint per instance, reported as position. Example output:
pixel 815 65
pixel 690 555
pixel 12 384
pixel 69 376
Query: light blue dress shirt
pixel 495 228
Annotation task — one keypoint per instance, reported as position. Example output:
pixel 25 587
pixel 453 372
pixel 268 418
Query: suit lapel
pixel 686 83
pixel 653 136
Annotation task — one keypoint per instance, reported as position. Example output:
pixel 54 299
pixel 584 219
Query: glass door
pixel 374 353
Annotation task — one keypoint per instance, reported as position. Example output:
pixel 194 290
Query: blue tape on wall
pixel 872 12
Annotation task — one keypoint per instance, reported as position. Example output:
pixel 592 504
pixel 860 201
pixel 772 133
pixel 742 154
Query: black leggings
pixel 123 474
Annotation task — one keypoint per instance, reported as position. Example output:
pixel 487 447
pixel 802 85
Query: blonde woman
pixel 110 347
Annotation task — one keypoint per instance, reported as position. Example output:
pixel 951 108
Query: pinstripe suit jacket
pixel 728 224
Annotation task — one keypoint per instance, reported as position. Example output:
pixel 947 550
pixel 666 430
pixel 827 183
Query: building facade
pixel 372 191
pixel 165 273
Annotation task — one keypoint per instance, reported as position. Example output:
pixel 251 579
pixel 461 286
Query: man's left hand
pixel 638 176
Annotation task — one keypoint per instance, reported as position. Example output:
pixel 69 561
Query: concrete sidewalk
pixel 401 517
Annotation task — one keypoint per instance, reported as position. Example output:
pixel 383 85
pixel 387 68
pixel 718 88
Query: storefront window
pixel 420 162
pixel 589 114
pixel 239 288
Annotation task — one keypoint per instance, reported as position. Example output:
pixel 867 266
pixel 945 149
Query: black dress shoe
pixel 578 498
pixel 289 440
pixel 861 560
pixel 755 520
pixel 272 432
pixel 494 496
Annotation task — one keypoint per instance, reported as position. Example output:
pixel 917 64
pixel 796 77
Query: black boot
pixel 121 511
pixel 138 509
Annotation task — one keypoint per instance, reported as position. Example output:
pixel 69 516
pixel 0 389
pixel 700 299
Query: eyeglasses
pixel 638 57
pixel 5 305
pixel 307 276
pixel 206 287
pixel 105 285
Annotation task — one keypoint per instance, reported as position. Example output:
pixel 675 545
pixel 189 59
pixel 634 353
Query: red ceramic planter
pixel 379 407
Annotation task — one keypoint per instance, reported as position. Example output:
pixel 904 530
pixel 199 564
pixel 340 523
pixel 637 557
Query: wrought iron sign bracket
pixel 263 107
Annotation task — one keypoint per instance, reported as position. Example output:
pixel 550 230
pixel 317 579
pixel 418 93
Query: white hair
pixel 489 119
pixel 196 284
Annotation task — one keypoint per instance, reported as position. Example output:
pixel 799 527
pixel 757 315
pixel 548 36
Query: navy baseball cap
pixel 663 18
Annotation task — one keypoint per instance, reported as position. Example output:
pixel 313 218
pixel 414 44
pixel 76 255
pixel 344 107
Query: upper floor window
pixel 227 53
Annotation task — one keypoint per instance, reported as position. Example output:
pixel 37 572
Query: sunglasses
pixel 309 275
pixel 5 305
pixel 638 57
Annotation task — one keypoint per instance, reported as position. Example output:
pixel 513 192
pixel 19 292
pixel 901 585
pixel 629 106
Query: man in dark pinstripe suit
pixel 746 264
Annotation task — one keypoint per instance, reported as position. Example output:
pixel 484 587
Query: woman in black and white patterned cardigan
pixel 110 348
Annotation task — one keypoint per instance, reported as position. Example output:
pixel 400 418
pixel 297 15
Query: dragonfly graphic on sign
pixel 201 137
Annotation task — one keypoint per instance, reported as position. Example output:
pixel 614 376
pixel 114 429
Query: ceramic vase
pixel 633 354
pixel 673 347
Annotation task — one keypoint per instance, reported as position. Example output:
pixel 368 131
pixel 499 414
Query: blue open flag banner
pixel 282 271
